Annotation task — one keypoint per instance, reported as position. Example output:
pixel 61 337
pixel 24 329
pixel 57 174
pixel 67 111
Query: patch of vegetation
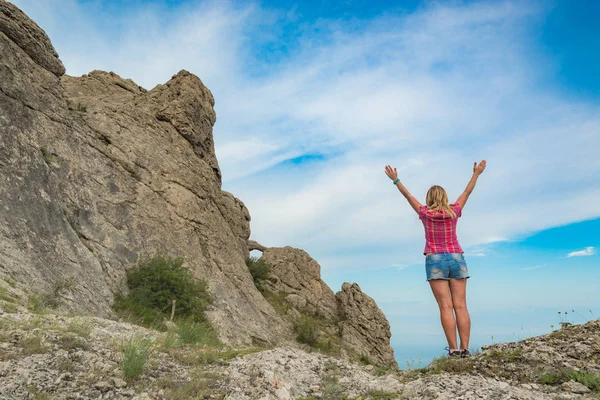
pixel 511 355
pixel 33 344
pixel 306 330
pixel 38 303
pixel 6 295
pixel 11 282
pixel 210 356
pixel 135 355
pixel 49 157
pixel 168 341
pixel 37 395
pixel 72 342
pixel 197 387
pixel 332 389
pixel 278 301
pixel 453 365
pixel 259 271
pixel 587 378
pixel 66 365
pixel 154 283
pixel 381 395
pixel 197 333
pixel 81 326
pixel 10 307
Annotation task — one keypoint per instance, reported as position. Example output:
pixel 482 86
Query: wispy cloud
pixel 428 92
pixel 535 267
pixel 588 251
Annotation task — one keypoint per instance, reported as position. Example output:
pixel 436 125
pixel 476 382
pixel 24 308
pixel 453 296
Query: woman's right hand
pixel 478 169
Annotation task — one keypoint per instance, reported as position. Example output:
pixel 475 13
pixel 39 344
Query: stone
pixel 294 271
pixel 364 326
pixel 119 383
pixel 103 386
pixel 575 387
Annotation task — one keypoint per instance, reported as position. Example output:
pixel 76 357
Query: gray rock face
pixel 363 324
pixel 97 172
pixel 17 27
pixel 294 271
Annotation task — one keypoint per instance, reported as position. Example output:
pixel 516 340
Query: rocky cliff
pixel 97 172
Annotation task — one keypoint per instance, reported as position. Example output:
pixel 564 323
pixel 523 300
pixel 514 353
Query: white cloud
pixel 428 93
pixel 534 267
pixel 588 251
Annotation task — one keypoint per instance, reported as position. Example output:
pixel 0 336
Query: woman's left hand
pixel 391 172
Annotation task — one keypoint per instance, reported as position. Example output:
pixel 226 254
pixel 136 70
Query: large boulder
pixel 363 325
pixel 98 172
pixel 295 272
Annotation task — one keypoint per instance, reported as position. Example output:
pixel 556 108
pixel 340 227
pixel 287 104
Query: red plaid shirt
pixel 440 230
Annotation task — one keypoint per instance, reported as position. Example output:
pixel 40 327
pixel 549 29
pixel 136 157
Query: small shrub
pixel 332 388
pixel 381 395
pixel 155 283
pixel 81 326
pixel 49 157
pixel 169 340
pixel 306 330
pixel 72 342
pixel 135 355
pixel 259 270
pixel 33 344
pixel 35 304
pixel 197 333
pixel 10 307
pixel 6 295
pixel 587 378
pixel 454 365
pixel 37 395
pixel 278 301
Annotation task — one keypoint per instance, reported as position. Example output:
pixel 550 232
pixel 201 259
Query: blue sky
pixel 314 98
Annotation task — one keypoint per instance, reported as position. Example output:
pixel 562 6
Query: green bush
pixel 154 283
pixel 135 355
pixel 306 330
pixel 587 378
pixel 258 269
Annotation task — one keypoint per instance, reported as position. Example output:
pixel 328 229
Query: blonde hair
pixel 437 200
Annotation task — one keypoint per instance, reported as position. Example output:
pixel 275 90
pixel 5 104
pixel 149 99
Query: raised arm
pixel 393 175
pixel 477 170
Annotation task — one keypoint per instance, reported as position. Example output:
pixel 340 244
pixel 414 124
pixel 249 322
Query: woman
pixel 445 264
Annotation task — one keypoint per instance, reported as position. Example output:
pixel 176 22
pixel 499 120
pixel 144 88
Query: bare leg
pixel 441 291
pixel 458 288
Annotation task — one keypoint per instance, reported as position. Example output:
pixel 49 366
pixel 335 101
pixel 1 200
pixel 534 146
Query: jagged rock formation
pixel 363 326
pixel 295 272
pixel 351 314
pixel 97 172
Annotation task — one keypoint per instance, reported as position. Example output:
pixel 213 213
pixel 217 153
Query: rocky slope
pixel 58 357
pixel 97 172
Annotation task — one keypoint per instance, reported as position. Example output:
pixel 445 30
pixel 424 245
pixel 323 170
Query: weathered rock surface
pixel 62 357
pixel 363 325
pixel 97 172
pixel 364 328
pixel 295 272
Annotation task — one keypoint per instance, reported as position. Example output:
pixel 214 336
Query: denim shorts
pixel 446 266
